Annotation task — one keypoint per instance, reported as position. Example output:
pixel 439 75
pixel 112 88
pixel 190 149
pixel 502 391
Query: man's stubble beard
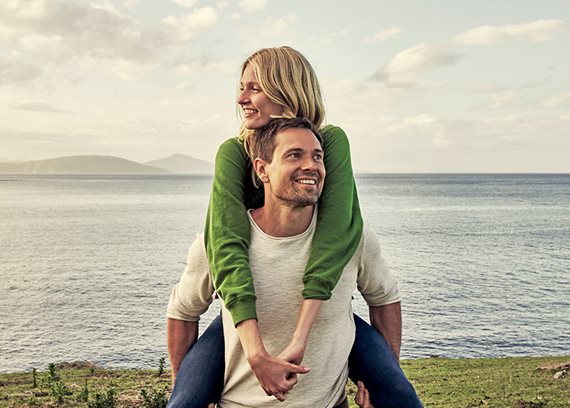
pixel 298 199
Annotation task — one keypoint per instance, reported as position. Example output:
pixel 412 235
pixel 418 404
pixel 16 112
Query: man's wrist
pixel 256 357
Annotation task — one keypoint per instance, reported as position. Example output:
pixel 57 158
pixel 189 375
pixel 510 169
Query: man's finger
pixel 359 399
pixel 293 368
pixel 281 396
pixel 292 381
pixel 362 398
pixel 366 399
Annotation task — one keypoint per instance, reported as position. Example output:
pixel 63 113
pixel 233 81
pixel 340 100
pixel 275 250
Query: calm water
pixel 87 263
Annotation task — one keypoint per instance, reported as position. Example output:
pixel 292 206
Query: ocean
pixel 87 263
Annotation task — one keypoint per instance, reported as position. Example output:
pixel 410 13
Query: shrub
pixel 52 374
pixel 58 391
pixel 84 394
pixel 160 366
pixel 103 399
pixel 34 378
pixel 154 399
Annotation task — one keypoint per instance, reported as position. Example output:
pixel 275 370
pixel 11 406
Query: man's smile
pixel 307 181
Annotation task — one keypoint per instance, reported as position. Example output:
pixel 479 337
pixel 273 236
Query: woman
pixel 278 82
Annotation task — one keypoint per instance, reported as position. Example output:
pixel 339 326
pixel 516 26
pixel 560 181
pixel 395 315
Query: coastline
pixel 512 382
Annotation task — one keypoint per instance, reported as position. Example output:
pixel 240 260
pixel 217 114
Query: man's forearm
pixel 180 336
pixel 387 319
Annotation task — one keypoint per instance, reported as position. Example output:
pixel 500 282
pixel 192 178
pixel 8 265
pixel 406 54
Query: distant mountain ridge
pixel 183 164
pixel 94 164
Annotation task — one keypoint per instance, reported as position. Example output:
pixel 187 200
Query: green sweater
pixel 227 232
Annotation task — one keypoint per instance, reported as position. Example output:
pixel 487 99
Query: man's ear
pixel 260 167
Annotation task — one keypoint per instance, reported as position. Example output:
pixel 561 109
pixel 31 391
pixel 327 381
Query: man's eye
pixel 294 155
pixel 318 157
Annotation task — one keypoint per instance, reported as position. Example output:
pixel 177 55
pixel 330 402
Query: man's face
pixel 296 174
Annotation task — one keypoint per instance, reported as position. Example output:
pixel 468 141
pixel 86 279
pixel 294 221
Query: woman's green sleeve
pixel 339 222
pixel 227 232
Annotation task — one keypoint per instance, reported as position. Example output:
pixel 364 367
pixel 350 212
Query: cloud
pixel 186 26
pixel 13 72
pixel 252 5
pixel 382 35
pixel 64 30
pixel 187 65
pixel 37 107
pixel 403 69
pixel 421 120
pixel 504 99
pixel 185 3
pixel 558 101
pixel 329 38
pixel 535 31
pixel 130 4
pixel 274 27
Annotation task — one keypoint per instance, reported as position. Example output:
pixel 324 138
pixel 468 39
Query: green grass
pixel 508 382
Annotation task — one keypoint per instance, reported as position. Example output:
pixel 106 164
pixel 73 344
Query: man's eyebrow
pixel 299 149
pixel 293 150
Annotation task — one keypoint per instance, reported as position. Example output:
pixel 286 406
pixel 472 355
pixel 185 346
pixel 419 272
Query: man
pixel 289 163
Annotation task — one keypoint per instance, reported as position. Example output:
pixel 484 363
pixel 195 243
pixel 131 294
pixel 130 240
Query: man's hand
pixel 293 353
pixel 362 398
pixel 277 377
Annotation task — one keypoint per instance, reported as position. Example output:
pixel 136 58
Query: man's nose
pixel 310 164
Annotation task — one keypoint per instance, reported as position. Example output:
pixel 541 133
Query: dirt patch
pixel 529 404
pixel 76 365
pixel 555 366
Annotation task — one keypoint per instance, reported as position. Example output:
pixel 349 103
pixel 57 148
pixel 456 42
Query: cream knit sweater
pixel 278 265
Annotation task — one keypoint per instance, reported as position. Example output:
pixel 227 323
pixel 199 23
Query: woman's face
pixel 256 105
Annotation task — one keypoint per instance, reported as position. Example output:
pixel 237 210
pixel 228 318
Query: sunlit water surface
pixel 87 263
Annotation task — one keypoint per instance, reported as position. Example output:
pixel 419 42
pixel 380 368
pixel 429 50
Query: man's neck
pixel 280 220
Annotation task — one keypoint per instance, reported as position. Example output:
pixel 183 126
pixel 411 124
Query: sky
pixel 418 86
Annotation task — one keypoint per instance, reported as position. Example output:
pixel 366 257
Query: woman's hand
pixel 276 376
pixel 362 398
pixel 293 353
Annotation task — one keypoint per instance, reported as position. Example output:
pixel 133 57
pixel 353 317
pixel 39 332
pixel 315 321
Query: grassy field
pixel 509 382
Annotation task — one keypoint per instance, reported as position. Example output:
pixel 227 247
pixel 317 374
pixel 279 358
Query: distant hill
pixel 81 165
pixel 183 164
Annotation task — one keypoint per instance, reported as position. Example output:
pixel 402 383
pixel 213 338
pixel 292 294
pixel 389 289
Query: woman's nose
pixel 243 97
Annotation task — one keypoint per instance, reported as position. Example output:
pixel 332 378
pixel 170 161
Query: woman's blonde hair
pixel 289 80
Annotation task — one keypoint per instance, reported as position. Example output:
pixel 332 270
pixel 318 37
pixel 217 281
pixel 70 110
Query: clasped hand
pixel 278 375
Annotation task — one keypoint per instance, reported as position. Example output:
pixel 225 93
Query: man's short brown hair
pixel 263 144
